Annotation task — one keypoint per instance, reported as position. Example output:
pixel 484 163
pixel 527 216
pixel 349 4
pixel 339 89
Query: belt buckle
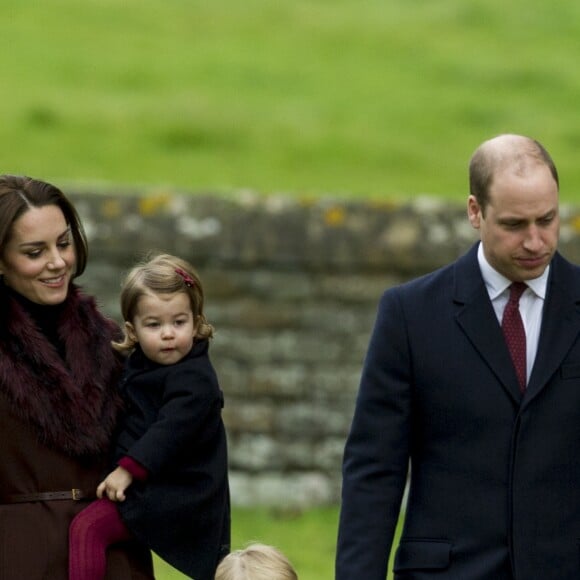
pixel 76 494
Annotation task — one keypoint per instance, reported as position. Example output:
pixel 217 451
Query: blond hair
pixel 162 274
pixel 256 562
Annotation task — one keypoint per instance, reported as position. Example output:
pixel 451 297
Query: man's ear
pixel 474 212
pixel 130 330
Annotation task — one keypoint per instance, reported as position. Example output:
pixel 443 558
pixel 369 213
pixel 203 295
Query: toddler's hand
pixel 115 484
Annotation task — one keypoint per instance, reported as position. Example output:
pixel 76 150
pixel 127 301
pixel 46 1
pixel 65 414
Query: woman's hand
pixel 115 484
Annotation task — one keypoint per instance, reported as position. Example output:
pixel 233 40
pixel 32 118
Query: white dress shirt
pixel 531 303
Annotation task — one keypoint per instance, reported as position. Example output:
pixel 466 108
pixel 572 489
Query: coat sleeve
pixel 190 413
pixel 376 456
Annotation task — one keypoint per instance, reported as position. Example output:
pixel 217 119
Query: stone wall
pixel 292 288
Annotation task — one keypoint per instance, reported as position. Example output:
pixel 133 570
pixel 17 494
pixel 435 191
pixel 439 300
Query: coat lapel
pixel 476 317
pixel 560 324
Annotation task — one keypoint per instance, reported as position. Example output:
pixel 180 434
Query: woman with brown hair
pixel 58 375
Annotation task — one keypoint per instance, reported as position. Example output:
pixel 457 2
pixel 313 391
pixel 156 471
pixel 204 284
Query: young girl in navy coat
pixel 169 488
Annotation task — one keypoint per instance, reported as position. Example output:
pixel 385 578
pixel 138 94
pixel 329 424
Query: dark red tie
pixel 513 330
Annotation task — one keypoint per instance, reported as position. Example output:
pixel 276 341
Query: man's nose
pixel 533 241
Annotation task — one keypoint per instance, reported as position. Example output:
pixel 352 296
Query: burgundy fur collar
pixel 71 406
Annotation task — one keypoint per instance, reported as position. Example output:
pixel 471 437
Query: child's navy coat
pixel 173 427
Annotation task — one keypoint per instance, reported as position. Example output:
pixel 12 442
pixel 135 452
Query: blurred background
pixel 365 98
pixel 362 102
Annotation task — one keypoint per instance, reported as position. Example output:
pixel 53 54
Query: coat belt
pixel 72 494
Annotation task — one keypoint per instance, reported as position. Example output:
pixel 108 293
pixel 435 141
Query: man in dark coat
pixel 494 472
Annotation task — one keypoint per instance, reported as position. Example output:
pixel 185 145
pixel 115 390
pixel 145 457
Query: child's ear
pixel 130 330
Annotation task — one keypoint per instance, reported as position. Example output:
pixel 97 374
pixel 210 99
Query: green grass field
pixel 307 539
pixel 365 98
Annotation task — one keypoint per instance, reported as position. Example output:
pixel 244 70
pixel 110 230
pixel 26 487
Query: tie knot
pixel 516 291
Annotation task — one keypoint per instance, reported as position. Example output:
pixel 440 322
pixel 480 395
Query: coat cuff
pixel 134 468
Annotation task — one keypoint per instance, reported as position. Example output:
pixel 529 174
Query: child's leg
pixel 91 532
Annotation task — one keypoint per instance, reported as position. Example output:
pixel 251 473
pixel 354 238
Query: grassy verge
pixel 308 539
pixel 366 98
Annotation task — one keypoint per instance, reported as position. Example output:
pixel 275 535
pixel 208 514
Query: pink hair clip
pixel 189 281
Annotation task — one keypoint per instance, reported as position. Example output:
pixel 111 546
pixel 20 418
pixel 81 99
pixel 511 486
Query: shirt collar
pixel 496 283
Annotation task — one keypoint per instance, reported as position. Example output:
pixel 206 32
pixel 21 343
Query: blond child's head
pixel 161 274
pixel 256 562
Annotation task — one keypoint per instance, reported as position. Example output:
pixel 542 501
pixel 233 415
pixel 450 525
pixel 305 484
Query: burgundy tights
pixel 91 532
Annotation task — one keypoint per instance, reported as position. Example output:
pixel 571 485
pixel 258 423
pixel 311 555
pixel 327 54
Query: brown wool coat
pixel 56 421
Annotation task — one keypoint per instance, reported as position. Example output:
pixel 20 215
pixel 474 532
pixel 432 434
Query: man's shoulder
pixel 563 265
pixel 440 286
pixel 441 278
pixel 564 271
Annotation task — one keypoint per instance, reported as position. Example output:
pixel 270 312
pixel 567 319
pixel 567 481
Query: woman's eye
pixel 34 254
pixel 64 244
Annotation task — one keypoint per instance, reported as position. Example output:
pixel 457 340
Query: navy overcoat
pixel 495 477
pixel 173 427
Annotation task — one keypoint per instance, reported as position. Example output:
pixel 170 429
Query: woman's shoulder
pixel 85 307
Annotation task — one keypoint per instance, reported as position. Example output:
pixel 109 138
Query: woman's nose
pixel 55 260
